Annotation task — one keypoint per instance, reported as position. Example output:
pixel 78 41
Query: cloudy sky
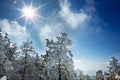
pixel 94 26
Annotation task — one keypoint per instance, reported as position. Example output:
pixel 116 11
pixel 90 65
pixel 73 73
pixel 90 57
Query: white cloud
pixel 16 32
pixel 89 67
pixel 57 25
pixel 68 19
pixel 86 17
pixel 72 18
pixel 50 31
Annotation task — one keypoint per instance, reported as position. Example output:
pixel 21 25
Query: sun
pixel 29 12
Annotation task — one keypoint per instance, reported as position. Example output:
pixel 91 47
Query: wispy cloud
pixel 86 17
pixel 16 32
pixel 50 31
pixel 94 19
pixel 68 19
pixel 74 19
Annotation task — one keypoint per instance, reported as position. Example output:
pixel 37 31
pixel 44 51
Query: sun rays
pixel 29 13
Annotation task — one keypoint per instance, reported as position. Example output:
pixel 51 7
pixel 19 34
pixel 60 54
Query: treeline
pixel 24 63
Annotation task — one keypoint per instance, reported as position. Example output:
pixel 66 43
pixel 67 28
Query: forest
pixel 24 63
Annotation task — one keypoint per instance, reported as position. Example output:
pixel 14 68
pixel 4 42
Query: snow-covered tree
pixel 25 65
pixel 58 59
pixel 39 67
pixel 113 65
pixel 99 75
pixel 5 54
pixel 114 69
pixel 87 77
pixel 79 75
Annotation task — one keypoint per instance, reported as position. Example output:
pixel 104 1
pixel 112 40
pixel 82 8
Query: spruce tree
pixel 58 58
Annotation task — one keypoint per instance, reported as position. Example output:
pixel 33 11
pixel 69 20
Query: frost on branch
pixel 58 58
pixel 5 63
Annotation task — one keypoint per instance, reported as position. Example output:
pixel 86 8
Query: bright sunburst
pixel 29 13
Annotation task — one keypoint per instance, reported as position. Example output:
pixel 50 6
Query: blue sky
pixel 92 25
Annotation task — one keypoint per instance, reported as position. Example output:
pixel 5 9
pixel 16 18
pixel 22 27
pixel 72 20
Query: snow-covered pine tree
pixel 58 59
pixel 114 69
pixel 38 68
pixel 99 75
pixel 6 55
pixel 113 65
pixel 25 66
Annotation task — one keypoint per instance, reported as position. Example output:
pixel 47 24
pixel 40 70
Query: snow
pixel 3 78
